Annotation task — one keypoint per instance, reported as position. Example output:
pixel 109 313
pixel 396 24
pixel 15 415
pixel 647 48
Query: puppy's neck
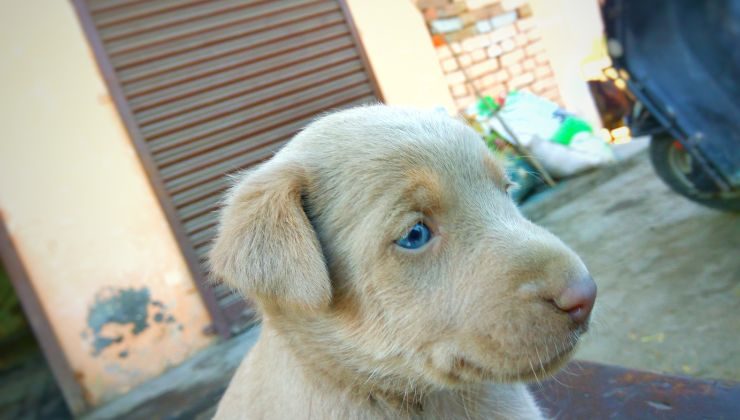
pixel 325 360
pixel 298 376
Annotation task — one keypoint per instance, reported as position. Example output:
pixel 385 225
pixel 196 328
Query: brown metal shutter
pixel 210 87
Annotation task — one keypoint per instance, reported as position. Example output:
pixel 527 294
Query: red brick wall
pixel 497 43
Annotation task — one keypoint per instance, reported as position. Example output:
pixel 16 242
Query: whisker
pixel 531 366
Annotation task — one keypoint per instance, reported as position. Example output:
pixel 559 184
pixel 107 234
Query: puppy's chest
pixel 431 410
pixel 454 406
pixel 481 402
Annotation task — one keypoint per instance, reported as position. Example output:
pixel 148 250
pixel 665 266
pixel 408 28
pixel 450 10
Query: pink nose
pixel 578 299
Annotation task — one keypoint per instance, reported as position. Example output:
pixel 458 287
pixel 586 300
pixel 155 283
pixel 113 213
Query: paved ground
pixel 668 271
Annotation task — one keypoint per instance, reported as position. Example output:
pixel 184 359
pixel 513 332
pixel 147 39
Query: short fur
pixel 355 327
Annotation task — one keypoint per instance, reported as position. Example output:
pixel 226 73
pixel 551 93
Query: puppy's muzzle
pixel 577 300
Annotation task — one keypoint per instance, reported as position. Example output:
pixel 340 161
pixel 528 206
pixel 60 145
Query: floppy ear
pixel 266 247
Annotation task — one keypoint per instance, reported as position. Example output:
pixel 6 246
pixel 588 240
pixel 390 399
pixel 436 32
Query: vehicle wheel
pixel 677 168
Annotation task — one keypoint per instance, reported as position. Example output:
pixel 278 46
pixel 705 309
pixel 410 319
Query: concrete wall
pixel 81 213
pixel 401 54
pixel 570 29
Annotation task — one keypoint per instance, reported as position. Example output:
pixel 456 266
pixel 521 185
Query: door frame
pixel 37 317
pixel 220 323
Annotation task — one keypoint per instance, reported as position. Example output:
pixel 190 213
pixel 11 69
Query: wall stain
pixel 122 306
pixel 128 306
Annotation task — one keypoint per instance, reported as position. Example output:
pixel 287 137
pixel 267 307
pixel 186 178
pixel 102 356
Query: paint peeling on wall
pixel 116 312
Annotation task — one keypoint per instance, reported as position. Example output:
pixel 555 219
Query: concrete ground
pixel 668 271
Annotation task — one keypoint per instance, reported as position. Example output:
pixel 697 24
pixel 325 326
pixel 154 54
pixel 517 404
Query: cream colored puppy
pixel 395 276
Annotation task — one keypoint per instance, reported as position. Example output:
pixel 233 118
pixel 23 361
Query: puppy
pixel 395 276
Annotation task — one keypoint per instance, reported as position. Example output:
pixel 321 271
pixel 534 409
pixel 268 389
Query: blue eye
pixel 416 237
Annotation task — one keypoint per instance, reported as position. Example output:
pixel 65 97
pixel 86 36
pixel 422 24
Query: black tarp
pixel 683 58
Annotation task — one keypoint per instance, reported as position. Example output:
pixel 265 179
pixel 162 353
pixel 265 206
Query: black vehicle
pixel 681 61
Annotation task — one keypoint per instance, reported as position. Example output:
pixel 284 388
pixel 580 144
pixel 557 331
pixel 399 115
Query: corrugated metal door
pixel 210 87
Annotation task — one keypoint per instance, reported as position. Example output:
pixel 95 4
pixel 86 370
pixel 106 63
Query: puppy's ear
pixel 266 247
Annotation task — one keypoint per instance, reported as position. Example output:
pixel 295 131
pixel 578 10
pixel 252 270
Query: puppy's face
pixel 395 228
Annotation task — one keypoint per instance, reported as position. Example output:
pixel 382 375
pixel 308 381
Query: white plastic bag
pixel 585 152
pixel 535 121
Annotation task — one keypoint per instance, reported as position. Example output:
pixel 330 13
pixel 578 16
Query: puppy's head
pixel 392 229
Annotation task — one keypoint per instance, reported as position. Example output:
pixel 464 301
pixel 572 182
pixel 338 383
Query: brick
pixel 521 40
pixel 459 90
pixel 483 26
pixel 465 60
pixel 507 45
pixel 495 91
pixel 491 79
pixel 542 58
pixel 449 65
pixel 477 4
pixel 487 12
pixel 490 85
pixel 476 42
pixel 468 19
pixel 505 19
pixel 525 24
pixel 488 80
pixel 521 80
pixel 446 25
pixel 524 11
pixel 535 48
pixel 462 34
pixel 451 9
pixel 455 77
pixel 542 71
pixel 495 9
pixel 502 75
pixel 502 34
pixel 465 102
pixel 512 58
pixel 443 52
pixel 480 14
pixel 483 67
pixel 539 86
pixel 534 34
pixel 542 85
pixel 494 51
pixel 430 14
pixel 512 4
pixel 529 64
pixel 479 55
pixel 424 4
pixel 514 70
pixel 477 84
pixel 552 94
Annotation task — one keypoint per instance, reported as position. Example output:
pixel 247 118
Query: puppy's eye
pixel 511 187
pixel 416 237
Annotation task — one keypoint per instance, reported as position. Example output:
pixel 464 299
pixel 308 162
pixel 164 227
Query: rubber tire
pixel 660 149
